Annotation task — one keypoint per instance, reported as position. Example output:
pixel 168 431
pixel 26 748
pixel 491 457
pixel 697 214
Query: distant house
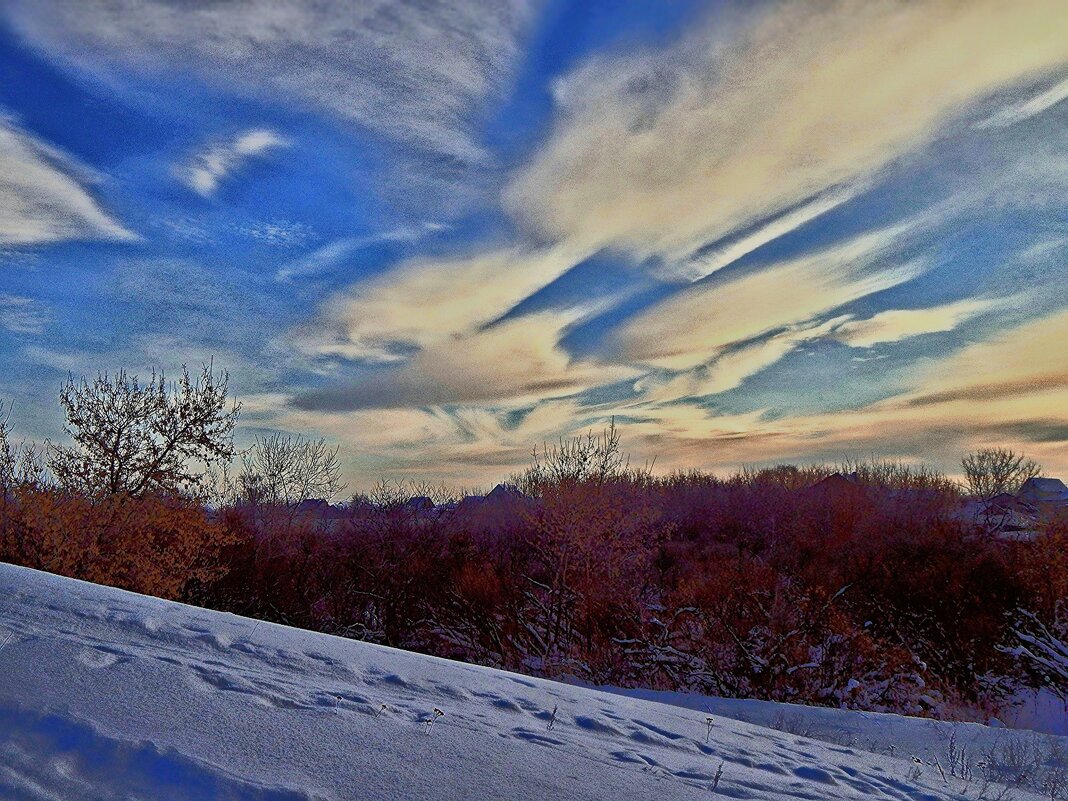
pixel 1043 491
pixel 419 504
pixel 1008 516
pixel 837 485
pixel 1020 516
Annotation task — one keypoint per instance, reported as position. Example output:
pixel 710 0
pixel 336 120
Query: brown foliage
pixel 785 583
pixel 152 545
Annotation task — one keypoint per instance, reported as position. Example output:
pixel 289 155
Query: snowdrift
pixel 105 694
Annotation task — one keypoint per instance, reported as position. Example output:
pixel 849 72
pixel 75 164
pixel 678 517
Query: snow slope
pixel 958 748
pixel 109 695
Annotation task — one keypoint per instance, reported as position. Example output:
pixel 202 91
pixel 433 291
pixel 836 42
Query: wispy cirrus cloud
pixel 662 152
pixel 413 71
pixel 44 196
pixel 21 315
pixel 1025 109
pixel 695 325
pixel 710 259
pixel 894 325
pixel 206 170
pixel 689 159
pixel 334 253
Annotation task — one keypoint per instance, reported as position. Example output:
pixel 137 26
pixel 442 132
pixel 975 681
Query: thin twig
pixel 719 775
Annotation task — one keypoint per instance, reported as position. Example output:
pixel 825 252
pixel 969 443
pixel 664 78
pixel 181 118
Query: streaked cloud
pixel 425 301
pixel 662 152
pixel 894 325
pixel 333 253
pixel 206 170
pixel 467 446
pixel 991 392
pixel 417 72
pixel 1017 364
pixel 44 196
pixel 517 362
pixel 689 328
pixel 712 259
pixel 1025 109
pixel 730 369
pixel 21 315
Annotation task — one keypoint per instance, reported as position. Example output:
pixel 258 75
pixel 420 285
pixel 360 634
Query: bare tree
pixel 287 469
pixel 136 439
pixel 7 460
pixel 992 471
pixel 578 460
pixel 21 465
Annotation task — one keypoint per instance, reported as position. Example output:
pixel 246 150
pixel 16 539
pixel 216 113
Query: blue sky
pixel 439 233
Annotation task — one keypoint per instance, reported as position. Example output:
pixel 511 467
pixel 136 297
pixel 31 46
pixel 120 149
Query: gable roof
pixel 1043 490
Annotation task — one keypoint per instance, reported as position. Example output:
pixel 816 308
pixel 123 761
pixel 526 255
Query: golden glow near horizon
pixel 797 232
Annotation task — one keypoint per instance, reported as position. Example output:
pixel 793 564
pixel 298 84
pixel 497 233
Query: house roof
pixel 1043 490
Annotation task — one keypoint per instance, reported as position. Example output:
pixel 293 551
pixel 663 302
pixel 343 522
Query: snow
pixel 1041 710
pixel 927 740
pixel 109 695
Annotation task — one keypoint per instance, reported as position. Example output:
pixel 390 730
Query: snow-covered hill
pixel 109 695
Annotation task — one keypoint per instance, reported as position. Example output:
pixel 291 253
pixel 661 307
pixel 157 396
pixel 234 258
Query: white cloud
pixel 43 197
pixel 699 323
pixel 662 152
pixel 894 325
pixel 1033 106
pixel 414 71
pixel 207 169
pixel 333 253
pixel 22 315
pixel 280 233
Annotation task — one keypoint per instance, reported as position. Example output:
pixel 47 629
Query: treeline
pixel 790 583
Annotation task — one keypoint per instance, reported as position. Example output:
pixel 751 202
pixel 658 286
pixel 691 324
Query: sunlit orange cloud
pixel 695 325
pixel 424 301
pixel 660 152
pixel 516 362
pixel 1009 390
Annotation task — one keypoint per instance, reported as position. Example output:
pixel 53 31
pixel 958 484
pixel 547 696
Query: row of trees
pixel 875 593
pixel 167 439
pixel 136 439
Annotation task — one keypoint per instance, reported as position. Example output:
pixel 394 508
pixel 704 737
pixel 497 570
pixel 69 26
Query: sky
pixel 441 233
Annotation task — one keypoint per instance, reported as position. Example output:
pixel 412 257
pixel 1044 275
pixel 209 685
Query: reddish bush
pixel 152 545
pixel 789 583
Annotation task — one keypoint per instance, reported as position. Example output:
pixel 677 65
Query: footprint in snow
pixel 99 657
pixel 814 774
pixel 598 726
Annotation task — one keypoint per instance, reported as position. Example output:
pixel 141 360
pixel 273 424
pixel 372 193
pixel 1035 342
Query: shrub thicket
pixel 789 583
